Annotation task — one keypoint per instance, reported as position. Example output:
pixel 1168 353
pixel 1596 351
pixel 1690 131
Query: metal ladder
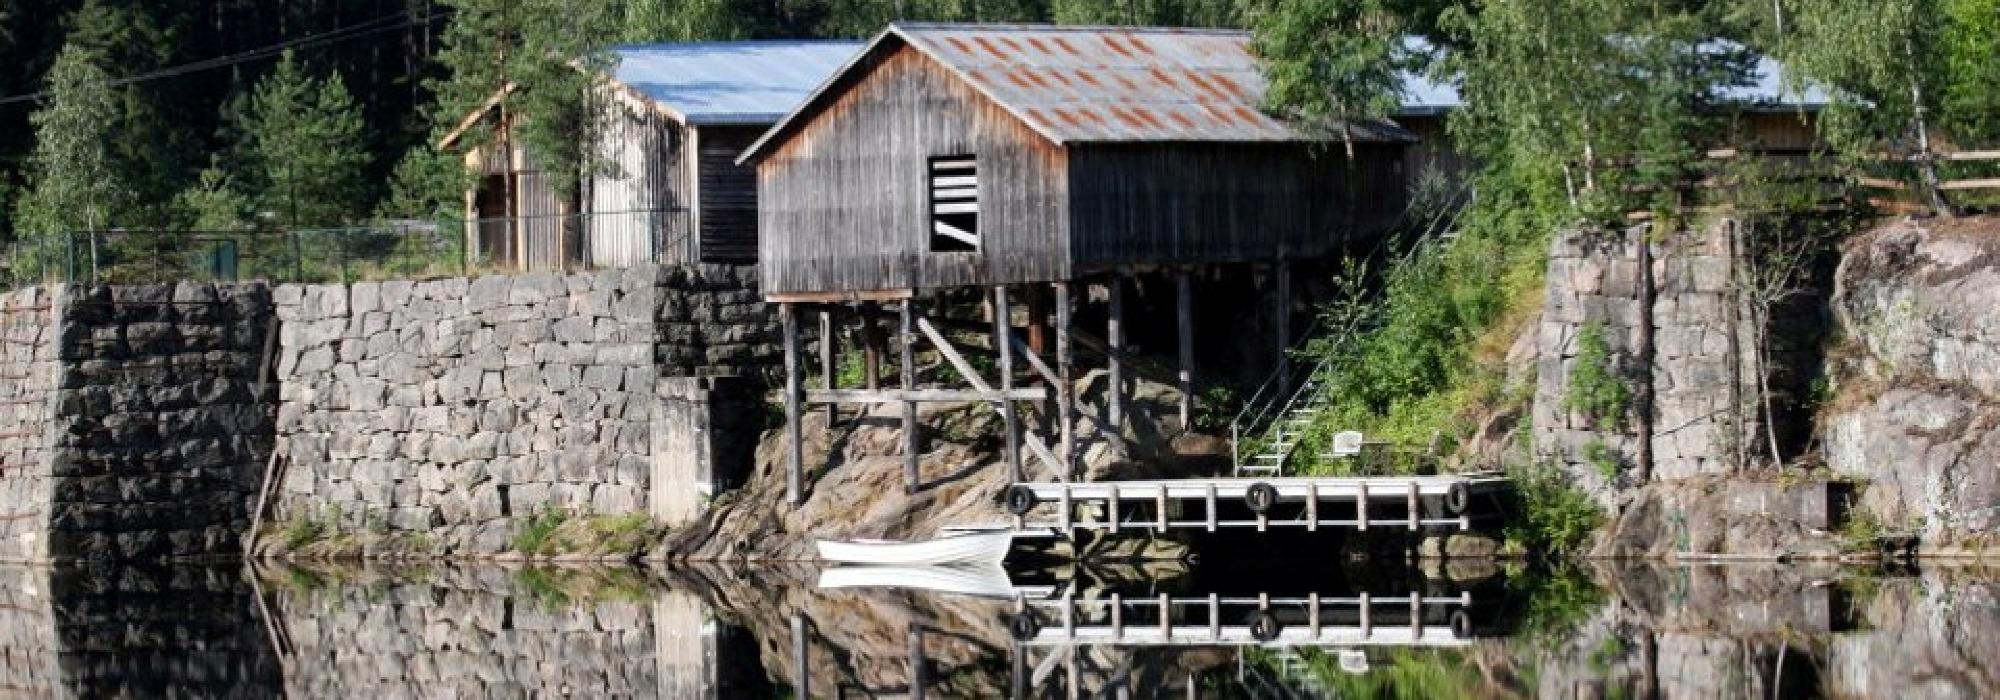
pixel 1275 419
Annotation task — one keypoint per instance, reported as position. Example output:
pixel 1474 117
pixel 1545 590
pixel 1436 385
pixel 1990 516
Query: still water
pixel 1360 630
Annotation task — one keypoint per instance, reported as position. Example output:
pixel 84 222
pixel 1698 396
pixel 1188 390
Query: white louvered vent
pixel 954 204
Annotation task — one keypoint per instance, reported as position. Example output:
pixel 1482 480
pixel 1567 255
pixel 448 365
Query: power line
pixel 353 31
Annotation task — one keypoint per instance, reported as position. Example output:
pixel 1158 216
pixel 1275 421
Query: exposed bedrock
pixel 1915 418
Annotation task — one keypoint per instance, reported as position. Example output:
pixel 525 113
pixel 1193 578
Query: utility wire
pixel 353 31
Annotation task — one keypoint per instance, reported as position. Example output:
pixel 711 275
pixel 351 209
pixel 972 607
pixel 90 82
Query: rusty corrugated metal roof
pixel 1079 84
pixel 1101 84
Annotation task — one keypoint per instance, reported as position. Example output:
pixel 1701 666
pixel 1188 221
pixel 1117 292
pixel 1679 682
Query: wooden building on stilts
pixel 1049 168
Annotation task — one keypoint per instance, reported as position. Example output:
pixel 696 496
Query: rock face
pixel 456 409
pixel 135 426
pixel 1916 418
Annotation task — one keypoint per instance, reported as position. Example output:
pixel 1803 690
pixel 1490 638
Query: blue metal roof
pixel 1766 91
pixel 730 82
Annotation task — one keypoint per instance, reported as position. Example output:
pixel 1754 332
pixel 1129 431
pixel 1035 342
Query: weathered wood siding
pixel 638 203
pixel 844 203
pixel 728 216
pixel 1225 202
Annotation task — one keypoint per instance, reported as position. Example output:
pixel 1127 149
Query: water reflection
pixel 1477 631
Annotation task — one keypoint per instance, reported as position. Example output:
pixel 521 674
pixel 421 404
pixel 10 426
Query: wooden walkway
pixel 1357 503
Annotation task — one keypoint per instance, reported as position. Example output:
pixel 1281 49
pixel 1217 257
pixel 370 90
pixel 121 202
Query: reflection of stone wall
pixel 96 633
pixel 493 633
pixel 131 428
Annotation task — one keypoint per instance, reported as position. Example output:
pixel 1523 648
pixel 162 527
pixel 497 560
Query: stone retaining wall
pixel 117 632
pixel 133 427
pixel 457 408
pixel 1704 368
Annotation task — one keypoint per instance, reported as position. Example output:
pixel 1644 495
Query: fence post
pixel 298 255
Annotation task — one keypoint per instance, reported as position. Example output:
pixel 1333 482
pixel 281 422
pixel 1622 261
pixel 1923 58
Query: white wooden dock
pixel 1310 503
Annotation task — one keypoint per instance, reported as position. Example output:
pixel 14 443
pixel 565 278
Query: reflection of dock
pixel 1364 620
pixel 1358 503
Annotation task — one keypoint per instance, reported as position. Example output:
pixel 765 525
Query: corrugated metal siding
pixel 730 82
pixel 1221 202
pixel 728 216
pixel 637 208
pixel 843 205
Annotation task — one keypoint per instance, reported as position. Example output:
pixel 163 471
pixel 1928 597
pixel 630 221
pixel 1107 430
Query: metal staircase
pixel 1264 435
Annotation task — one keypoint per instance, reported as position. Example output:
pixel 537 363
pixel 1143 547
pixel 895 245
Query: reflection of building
pixel 668 189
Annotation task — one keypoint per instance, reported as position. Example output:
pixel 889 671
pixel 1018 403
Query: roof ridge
pixel 735 42
pixel 1047 27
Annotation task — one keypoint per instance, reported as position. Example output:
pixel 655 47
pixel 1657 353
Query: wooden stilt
pixel 872 341
pixel 916 663
pixel 826 362
pixel 1003 341
pixel 1038 320
pixel 801 667
pixel 907 342
pixel 1184 310
pixel 1114 337
pixel 794 449
pixel 1282 284
pixel 1065 379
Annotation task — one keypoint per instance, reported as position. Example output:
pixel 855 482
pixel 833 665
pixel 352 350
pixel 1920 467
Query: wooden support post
pixel 1416 616
pixel 1214 616
pixel 1282 282
pixel 1367 622
pixel 1114 338
pixel 1415 511
pixel 1184 310
pixel 1312 507
pixel 907 343
pixel 1166 617
pixel 1117 617
pixel 1312 613
pixel 1069 614
pixel 826 352
pixel 1038 320
pixel 1062 504
pixel 1160 507
pixel 794 442
pixel 916 663
pixel 1065 379
pixel 801 667
pixel 1211 506
pixel 1003 342
pixel 1111 507
pixel 871 343
pixel 1361 506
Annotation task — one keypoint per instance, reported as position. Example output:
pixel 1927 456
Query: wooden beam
pixel 907 342
pixel 1003 341
pixel 1065 379
pixel 826 362
pixel 1114 336
pixel 794 449
pixel 951 355
pixel 924 395
pixel 1979 184
pixel 872 341
pixel 1184 312
pixel 1282 301
pixel 838 297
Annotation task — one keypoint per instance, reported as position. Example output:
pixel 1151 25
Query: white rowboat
pixel 977 580
pixel 968 548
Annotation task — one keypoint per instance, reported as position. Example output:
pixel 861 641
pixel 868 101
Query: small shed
pixel 668 189
pixel 947 155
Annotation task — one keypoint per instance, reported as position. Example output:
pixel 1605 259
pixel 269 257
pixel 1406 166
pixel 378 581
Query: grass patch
pixel 538 531
pixel 556 532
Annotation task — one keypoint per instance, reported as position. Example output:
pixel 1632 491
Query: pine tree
pixel 74 182
pixel 306 149
pixel 157 149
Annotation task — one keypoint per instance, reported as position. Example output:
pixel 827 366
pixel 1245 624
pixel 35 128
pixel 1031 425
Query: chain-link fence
pixel 405 249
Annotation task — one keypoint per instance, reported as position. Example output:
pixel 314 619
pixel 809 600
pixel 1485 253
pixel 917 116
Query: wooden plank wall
pixel 637 204
pixel 544 221
pixel 1226 202
pixel 728 216
pixel 844 202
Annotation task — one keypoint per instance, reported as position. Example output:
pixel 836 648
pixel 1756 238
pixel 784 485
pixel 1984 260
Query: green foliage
pixel 306 149
pixel 75 183
pixel 1332 63
pixel 1597 388
pixel 1169 13
pixel 1603 459
pixel 1970 48
pixel 538 531
pixel 1550 515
